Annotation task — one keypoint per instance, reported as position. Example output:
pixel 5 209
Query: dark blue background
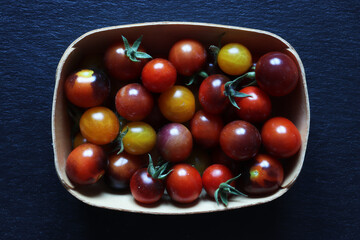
pixel 324 203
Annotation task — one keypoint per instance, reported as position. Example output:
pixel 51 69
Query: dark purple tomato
pixel 119 64
pixel 87 88
pixel 276 73
pixel 206 128
pixel 144 188
pixel 174 142
pixel 211 94
pixel 134 102
pixel 121 167
pixel 263 176
pixel 240 140
pixel 86 164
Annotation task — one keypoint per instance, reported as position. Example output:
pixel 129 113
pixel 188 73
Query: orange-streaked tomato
pixel 99 125
pixel 140 138
pixel 234 59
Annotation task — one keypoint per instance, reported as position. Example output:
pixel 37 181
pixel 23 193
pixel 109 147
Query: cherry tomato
pixel 276 74
pixel 121 167
pixel 78 140
pixel 254 109
pixel 184 183
pixel 120 66
pixel 206 128
pixel 280 137
pixel 158 75
pixel 134 102
pixel 240 140
pixel 86 164
pixel 99 125
pixel 174 142
pixel 144 188
pixel 188 56
pixel 234 59
pixel 140 138
pixel 213 176
pixel 199 159
pixel 177 104
pixel 211 94
pixel 263 176
pixel 87 88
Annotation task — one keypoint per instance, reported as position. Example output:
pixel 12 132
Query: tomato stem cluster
pixel 225 189
pixel 132 51
pixel 159 171
pixel 119 140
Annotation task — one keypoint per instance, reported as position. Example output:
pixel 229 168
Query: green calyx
pixel 225 189
pixel 193 79
pixel 159 171
pixel 132 51
pixel 119 140
pixel 231 87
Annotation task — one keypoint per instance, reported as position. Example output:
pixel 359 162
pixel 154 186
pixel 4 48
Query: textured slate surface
pixel 324 203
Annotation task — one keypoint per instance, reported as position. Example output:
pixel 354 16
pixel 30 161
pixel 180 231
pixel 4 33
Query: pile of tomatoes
pixel 201 118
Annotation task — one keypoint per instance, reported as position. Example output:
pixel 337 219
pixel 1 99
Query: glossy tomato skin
pixel 188 56
pixel 174 142
pixel 211 94
pixel 134 102
pixel 256 108
pixel 87 88
pixel 140 138
pixel 119 66
pixel 184 183
pixel 280 137
pixel 240 140
pixel 234 59
pixel 177 104
pixel 86 164
pixel 276 74
pixel 206 128
pixel 264 175
pixel 121 167
pixel 158 75
pixel 144 188
pixel 99 125
pixel 213 176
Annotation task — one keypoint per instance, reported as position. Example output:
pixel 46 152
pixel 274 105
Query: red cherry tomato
pixel 99 125
pixel 174 142
pixel 213 176
pixel 264 175
pixel 276 74
pixel 206 128
pixel 188 56
pixel 211 94
pixel 134 102
pixel 184 183
pixel 240 140
pixel 158 75
pixel 87 88
pixel 119 64
pixel 254 109
pixel 144 188
pixel 280 137
pixel 86 164
pixel 120 169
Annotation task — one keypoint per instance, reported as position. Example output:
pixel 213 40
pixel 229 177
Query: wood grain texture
pixel 323 203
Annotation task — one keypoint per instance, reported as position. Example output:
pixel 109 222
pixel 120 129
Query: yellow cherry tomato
pixel 99 125
pixel 177 104
pixel 140 138
pixel 234 59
